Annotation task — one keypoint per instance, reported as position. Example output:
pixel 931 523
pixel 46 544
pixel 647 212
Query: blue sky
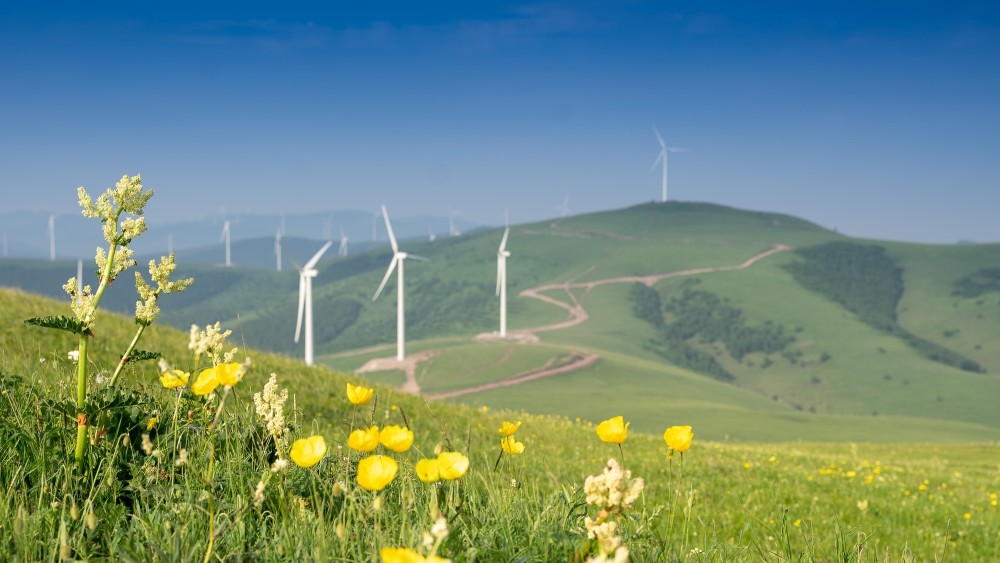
pixel 879 119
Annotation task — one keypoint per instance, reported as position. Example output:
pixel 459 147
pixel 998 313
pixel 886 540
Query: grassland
pixel 723 500
pixel 838 369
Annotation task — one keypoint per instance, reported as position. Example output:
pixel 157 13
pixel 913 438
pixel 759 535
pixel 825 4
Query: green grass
pixel 723 500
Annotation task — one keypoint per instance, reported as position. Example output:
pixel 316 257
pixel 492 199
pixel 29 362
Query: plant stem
pixel 128 352
pixel 81 400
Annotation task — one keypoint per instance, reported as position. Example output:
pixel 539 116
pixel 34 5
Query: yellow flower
pixel 405 555
pixel 152 422
pixel 511 446
pixel 613 430
pixel 678 438
pixel 396 438
pixel 364 440
pixel 229 374
pixel 359 395
pixel 452 465
pixel 207 381
pixel 306 452
pixel 428 470
pixel 174 378
pixel 376 471
pixel 508 429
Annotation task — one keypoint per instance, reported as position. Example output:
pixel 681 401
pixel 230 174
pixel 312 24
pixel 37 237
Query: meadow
pixel 125 440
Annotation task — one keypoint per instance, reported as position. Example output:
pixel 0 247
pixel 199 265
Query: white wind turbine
pixel 226 237
pixel 277 248
pixel 343 243
pixel 398 257
pixel 306 274
pixel 52 238
pixel 502 255
pixel 564 207
pixel 452 231
pixel 664 151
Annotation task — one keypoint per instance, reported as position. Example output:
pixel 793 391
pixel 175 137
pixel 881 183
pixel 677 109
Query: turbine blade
pixel 659 157
pixel 659 138
pixel 421 258
pixel 388 228
pixel 381 286
pixel 312 261
pixel 302 304
pixel 503 241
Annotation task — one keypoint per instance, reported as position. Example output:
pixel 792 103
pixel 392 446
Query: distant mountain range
pixel 26 234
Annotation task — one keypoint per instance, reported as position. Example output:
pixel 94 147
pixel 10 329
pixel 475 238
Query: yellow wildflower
pixel 174 378
pixel 511 446
pixel 452 465
pixel 428 470
pixel 396 438
pixel 613 430
pixel 508 429
pixel 678 438
pixel 364 440
pixel 306 452
pixel 229 374
pixel 359 395
pixel 376 471
pixel 207 381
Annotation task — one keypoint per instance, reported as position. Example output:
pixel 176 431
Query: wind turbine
pixel 306 274
pixel 170 244
pixel 79 281
pixel 343 243
pixel 502 254
pixel 398 257
pixel 277 247
pixel 664 151
pixel 431 237
pixel 5 245
pixel 451 223
pixel 564 207
pixel 52 238
pixel 226 237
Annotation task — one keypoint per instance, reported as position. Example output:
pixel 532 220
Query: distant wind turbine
pixel 430 234
pixel 5 245
pixel 277 248
pixel 170 244
pixel 79 281
pixel 398 257
pixel 343 243
pixel 502 255
pixel 664 152
pixel 452 231
pixel 226 233
pixel 564 207
pixel 52 238
pixel 306 274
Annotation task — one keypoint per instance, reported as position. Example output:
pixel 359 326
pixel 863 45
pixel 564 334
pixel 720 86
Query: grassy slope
pixel 452 296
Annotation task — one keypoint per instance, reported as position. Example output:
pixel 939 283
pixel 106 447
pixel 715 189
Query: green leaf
pixel 142 355
pixel 61 323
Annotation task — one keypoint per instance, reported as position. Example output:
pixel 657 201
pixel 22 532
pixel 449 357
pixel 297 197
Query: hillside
pixel 832 377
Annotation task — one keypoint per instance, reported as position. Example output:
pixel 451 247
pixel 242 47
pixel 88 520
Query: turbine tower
pixel 398 257
pixel 226 237
pixel 342 251
pixel 277 248
pixel 52 238
pixel 452 231
pixel 502 255
pixel 664 151
pixel 306 274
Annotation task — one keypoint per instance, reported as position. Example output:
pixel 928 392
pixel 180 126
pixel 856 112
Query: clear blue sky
pixel 878 119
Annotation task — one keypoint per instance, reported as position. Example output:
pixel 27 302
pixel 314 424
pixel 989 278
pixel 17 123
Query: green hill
pixel 780 360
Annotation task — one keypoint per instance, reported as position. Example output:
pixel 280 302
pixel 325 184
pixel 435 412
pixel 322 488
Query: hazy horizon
pixel 877 121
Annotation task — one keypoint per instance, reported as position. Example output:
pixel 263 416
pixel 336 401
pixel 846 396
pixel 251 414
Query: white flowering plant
pixel 120 210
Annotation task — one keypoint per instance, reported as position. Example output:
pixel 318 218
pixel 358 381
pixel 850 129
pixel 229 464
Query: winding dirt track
pixel 576 315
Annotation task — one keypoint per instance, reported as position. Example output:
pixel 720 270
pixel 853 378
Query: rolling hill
pixel 744 348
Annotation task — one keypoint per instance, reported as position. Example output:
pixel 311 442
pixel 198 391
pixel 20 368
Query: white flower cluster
pixel 439 531
pixel 146 309
pixel 80 302
pixel 270 406
pixel 613 490
pixel 126 197
pixel 121 262
pixel 211 341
